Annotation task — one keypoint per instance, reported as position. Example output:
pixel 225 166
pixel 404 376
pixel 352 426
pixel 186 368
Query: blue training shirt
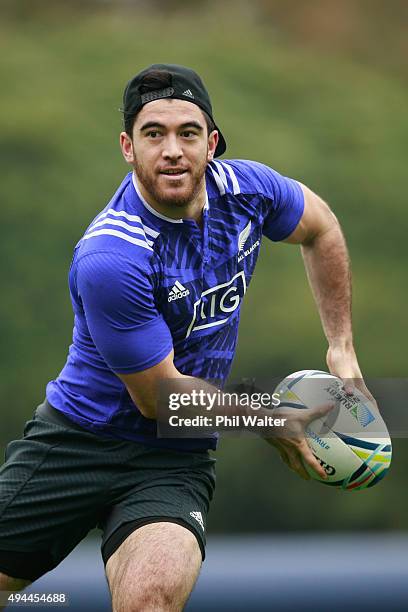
pixel 142 284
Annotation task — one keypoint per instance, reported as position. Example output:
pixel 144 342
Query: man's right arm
pixel 135 342
pixel 145 390
pixel 144 386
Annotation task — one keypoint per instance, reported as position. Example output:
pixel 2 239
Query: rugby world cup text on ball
pixel 348 401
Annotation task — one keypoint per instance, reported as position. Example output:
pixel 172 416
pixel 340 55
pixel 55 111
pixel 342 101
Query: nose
pixel 172 148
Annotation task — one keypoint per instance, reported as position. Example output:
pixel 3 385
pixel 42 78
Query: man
pixel 156 284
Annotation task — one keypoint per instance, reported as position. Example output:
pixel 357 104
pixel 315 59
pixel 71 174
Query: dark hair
pixel 152 81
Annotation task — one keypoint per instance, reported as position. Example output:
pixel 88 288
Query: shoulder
pixel 119 232
pixel 119 229
pixel 110 276
pixel 246 176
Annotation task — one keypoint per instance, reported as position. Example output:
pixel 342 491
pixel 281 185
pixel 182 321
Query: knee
pixel 135 591
pixel 154 569
pixel 7 583
pixel 149 597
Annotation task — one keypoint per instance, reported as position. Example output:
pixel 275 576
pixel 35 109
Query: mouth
pixel 173 173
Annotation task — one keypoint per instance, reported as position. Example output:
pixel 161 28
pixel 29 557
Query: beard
pixel 172 195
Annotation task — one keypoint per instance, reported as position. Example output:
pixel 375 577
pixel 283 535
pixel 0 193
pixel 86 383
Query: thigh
pixel 155 568
pixel 48 498
pixel 172 487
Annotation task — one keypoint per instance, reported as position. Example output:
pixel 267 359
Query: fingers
pixel 290 457
pixel 294 462
pixel 360 385
pixel 309 458
pixel 296 459
pixel 351 384
pixel 348 386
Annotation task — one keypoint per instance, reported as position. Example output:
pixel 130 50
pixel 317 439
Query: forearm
pixel 328 270
pixel 189 397
pixel 157 390
pixel 162 391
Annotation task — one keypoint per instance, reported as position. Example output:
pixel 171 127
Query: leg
pixel 154 569
pixel 47 504
pixel 11 584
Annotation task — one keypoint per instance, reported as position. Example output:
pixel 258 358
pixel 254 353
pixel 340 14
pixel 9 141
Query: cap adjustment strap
pixel 156 95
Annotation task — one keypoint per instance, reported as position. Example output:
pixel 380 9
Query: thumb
pixel 310 414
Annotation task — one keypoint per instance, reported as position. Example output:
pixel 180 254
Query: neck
pixel 192 210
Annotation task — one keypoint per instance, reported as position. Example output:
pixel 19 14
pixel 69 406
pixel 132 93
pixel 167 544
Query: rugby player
pixel 157 282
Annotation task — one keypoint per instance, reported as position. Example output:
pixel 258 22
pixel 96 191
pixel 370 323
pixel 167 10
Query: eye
pixel 153 134
pixel 188 134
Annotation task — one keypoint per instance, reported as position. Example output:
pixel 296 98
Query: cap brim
pixel 222 145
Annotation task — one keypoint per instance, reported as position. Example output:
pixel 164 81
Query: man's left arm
pixel 327 266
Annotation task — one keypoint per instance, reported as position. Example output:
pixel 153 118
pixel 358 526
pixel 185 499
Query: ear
pixel 212 145
pixel 127 147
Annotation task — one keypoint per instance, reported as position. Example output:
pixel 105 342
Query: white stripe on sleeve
pixel 117 234
pixel 235 184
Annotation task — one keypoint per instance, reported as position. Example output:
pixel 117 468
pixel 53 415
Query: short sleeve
pixel 284 198
pixel 117 297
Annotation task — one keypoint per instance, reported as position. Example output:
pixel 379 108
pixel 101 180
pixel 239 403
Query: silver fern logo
pixel 243 237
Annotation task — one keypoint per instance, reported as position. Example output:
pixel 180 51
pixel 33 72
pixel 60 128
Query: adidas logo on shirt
pixel 199 518
pixel 188 93
pixel 177 292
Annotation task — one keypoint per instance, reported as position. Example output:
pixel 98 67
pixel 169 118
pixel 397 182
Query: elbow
pixel 328 230
pixel 147 408
pixel 148 413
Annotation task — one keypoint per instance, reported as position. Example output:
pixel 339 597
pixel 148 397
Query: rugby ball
pixel 352 442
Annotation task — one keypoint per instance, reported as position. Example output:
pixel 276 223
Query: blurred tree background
pixel 315 88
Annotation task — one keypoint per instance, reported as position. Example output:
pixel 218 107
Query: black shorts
pixel 60 481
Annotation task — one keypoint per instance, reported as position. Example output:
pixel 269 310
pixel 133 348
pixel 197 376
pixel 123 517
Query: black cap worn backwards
pixel 181 83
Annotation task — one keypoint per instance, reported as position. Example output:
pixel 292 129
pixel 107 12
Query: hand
pixel 342 362
pixel 292 444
